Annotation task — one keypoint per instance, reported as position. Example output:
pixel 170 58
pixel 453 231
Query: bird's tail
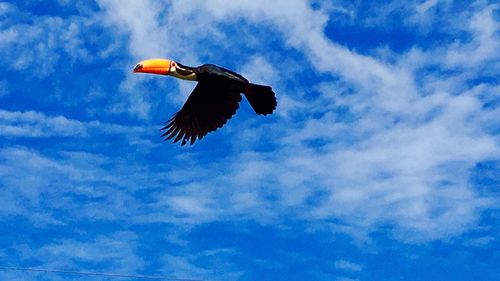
pixel 261 98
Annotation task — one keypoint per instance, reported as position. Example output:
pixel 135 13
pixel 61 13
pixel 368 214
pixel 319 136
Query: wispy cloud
pixel 393 148
pixel 36 124
pixel 392 157
pixel 364 141
pixel 347 265
pixel 32 124
pixel 116 252
pixel 38 46
pixel 71 175
pixel 188 265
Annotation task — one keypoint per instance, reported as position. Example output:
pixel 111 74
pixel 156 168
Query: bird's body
pixel 213 101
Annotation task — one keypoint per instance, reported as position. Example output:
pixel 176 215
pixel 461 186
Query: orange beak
pixel 154 66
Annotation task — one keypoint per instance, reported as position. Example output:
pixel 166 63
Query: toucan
pixel 213 101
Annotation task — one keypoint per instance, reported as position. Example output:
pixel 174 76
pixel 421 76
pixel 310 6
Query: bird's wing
pixel 208 108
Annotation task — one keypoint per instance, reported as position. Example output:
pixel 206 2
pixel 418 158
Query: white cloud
pixel 39 45
pixel 348 266
pixel 399 155
pixel 5 7
pixel 480 241
pixel 260 71
pixel 140 20
pixel 36 124
pixel 116 252
pixel 402 157
pixel 33 124
pixel 217 265
pixel 45 188
pixel 149 37
pixel 486 41
pixel 423 7
pixel 117 249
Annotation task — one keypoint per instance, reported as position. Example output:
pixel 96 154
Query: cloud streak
pixel 396 156
pixel 391 157
pixel 366 142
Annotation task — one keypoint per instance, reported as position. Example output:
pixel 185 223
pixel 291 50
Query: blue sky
pixel 381 161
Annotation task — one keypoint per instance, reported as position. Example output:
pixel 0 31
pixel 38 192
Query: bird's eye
pixel 138 67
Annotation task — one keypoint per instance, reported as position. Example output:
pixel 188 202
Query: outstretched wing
pixel 208 108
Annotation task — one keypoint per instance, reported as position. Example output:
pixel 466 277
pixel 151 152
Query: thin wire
pixel 114 275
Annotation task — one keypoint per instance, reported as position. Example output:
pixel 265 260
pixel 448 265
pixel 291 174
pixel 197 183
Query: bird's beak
pixel 155 66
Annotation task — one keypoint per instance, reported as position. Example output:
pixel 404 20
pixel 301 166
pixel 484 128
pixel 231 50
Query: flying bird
pixel 213 101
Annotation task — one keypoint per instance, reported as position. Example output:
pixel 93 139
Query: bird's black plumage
pixel 214 101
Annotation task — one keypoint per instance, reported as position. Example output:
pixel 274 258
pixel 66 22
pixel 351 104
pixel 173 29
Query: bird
pixel 214 100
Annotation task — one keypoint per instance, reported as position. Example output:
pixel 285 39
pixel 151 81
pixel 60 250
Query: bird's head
pixel 155 66
pixel 165 67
